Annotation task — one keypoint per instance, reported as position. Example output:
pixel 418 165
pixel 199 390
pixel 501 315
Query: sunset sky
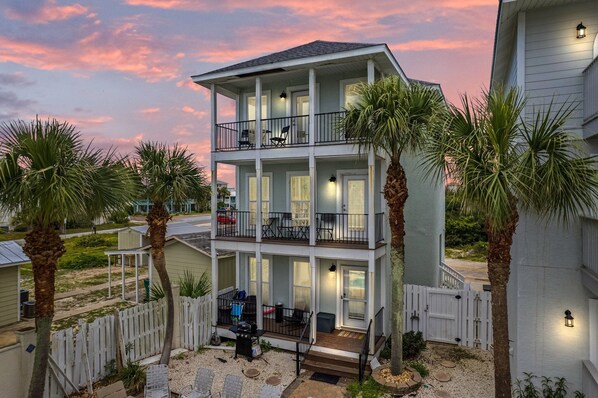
pixel 119 69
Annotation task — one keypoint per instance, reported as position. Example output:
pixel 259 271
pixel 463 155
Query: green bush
pixel 463 227
pixel 190 287
pixel 133 377
pixel 92 240
pixel 84 261
pixel 421 367
pixel 368 389
pixel 549 388
pixel 119 217
pixel 413 344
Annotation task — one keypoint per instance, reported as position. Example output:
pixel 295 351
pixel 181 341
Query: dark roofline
pixel 500 2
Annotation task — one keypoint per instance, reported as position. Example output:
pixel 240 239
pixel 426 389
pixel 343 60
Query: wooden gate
pixel 443 315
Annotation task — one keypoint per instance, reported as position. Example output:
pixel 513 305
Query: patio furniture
pixel 286 228
pixel 233 385
pixel 236 312
pixel 268 228
pixel 114 390
pixel 244 140
pixel 297 318
pixel 268 391
pixel 280 140
pixel 156 383
pixel 203 384
pixel 326 226
pixel 250 309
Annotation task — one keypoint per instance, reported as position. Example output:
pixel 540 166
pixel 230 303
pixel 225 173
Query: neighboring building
pixel 143 206
pixel 554 267
pixel 311 228
pixel 11 258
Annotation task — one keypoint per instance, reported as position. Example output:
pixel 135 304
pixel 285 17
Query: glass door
pixel 355 206
pixel 300 109
pixel 354 296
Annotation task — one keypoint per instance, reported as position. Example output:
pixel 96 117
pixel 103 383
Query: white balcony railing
pixel 451 278
pixel 590 90
pixel 589 243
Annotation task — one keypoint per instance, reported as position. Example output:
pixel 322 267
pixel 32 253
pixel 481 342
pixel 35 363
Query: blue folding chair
pixel 236 312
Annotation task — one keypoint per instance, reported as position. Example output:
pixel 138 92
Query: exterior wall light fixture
pixel 332 268
pixel 581 31
pixel 568 319
pixel 283 95
pixel 332 178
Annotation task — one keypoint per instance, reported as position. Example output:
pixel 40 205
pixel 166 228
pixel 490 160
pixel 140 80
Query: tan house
pixel 11 258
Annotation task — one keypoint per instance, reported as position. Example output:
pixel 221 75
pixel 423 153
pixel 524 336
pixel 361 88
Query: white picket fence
pixel 143 328
pixel 196 320
pixel 454 316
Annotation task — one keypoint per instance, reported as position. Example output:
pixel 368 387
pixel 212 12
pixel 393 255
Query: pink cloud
pixel 439 44
pixel 147 111
pixel 123 50
pixel 194 112
pixel 47 12
pixel 188 83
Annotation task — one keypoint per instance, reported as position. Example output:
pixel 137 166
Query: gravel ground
pixel 470 378
pixel 182 371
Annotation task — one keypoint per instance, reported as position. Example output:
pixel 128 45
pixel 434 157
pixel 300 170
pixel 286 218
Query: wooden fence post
pixel 120 349
pixel 176 332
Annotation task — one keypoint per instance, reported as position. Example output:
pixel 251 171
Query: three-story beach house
pixel 310 231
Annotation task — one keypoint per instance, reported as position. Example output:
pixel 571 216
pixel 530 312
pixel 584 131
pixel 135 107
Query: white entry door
pixel 355 207
pixel 300 107
pixel 354 293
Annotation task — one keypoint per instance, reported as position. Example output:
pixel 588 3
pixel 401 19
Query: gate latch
pixel 458 297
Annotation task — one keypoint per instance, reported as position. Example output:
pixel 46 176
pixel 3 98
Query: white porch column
pixel 382 277
pixel 312 106
pixel 214 199
pixel 237 269
pixel 258 112
pixel 122 266
pixel 371 71
pixel 150 265
pixel 109 277
pixel 258 210
pixel 312 199
pixel 371 201
pixel 312 263
pixel 258 289
pixel 371 297
pixel 214 114
pixel 137 278
pixel 214 256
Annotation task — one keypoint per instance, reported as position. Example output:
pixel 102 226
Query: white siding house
pixel 537 49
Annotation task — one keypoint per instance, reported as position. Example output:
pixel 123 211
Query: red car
pixel 224 218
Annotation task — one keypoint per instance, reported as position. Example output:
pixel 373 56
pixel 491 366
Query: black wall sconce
pixel 283 95
pixel 332 178
pixel 581 31
pixel 332 268
pixel 568 319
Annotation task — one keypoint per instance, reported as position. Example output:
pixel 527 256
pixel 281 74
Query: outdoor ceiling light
pixel 332 178
pixel 581 31
pixel 332 268
pixel 283 95
pixel 568 319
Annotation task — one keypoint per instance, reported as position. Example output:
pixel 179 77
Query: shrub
pixel 527 387
pixel 368 389
pixel 421 368
pixel 265 346
pixel 413 344
pixel 190 287
pixel 93 240
pixel 119 217
pixel 457 354
pixel 156 292
pixel 84 261
pixel 133 377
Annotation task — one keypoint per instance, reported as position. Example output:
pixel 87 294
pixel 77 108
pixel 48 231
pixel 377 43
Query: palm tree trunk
pixel 499 262
pixel 44 247
pixel 157 219
pixel 395 193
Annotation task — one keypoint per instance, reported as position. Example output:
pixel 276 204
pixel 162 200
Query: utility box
pixel 326 322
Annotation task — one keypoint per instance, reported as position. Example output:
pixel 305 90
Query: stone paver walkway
pixel 317 389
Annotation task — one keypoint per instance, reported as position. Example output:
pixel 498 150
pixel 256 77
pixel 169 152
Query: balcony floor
pixel 301 242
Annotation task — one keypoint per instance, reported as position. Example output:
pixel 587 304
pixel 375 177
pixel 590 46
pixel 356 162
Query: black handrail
pixel 379 324
pixel 364 353
pixel 328 127
pixel 342 227
pixel 235 223
pixel 302 348
pixel 379 225
pixel 284 321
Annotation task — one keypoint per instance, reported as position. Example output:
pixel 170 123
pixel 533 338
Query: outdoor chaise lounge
pixel 156 383
pixel 203 384
pixel 233 386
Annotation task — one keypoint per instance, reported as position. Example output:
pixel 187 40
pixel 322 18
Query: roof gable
pixel 11 253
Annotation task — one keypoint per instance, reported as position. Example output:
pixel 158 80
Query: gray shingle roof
pixel 11 254
pixel 312 49
pixel 203 242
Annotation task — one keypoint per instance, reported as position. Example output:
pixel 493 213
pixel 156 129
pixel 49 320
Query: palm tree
pixel 506 165
pixel 393 118
pixel 46 175
pixel 166 174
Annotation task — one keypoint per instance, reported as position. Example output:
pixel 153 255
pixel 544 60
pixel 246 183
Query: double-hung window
pixel 300 199
pixel 252 288
pixel 302 285
pixel 253 198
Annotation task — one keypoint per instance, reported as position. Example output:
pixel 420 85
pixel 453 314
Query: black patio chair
pixel 326 226
pixel 281 140
pixel 244 140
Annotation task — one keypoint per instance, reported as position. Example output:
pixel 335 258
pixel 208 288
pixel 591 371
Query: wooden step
pixel 331 369
pixel 325 357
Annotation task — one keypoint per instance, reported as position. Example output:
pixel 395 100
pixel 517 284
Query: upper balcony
pixel 590 106
pixel 281 132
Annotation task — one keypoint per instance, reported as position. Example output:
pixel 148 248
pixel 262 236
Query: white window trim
pixel 267 93
pixel 292 280
pixel 343 84
pixel 270 275
pixel 304 87
pixel 288 187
